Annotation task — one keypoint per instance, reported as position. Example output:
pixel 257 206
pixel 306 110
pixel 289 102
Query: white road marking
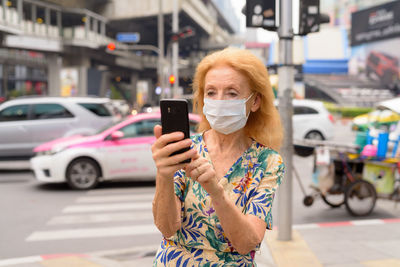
pixel 101 218
pixel 107 207
pixel 367 222
pixel 15 261
pixel 108 191
pixel 305 226
pixel 93 233
pixel 115 198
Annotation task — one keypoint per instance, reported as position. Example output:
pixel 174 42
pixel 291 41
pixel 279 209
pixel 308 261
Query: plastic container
pixel 369 151
pixel 383 139
pixel 361 140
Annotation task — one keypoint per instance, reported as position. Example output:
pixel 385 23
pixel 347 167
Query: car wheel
pixel 314 135
pixel 83 174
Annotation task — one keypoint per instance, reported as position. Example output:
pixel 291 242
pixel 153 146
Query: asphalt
pixel 366 242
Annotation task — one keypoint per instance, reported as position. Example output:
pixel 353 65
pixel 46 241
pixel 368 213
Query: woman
pixel 214 210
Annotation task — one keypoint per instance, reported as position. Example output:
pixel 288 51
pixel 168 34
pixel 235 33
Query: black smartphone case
pixel 175 118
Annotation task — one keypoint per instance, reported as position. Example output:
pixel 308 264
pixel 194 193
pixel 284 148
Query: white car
pixel 122 151
pixel 311 120
pixel 27 122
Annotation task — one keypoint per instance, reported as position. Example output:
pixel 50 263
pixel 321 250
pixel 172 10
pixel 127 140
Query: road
pixel 42 219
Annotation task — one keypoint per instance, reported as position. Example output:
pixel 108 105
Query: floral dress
pixel 250 183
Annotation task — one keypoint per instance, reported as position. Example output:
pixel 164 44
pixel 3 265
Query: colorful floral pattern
pixel 250 183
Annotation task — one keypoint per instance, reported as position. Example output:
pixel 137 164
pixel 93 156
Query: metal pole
pixel 20 12
pixel 59 24
pixel 87 24
pixel 160 65
pixel 33 16
pixel 175 48
pixel 47 19
pixel 285 85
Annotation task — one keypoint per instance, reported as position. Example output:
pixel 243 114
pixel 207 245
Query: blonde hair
pixel 264 125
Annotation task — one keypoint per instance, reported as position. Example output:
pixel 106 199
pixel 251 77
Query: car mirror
pixel 117 135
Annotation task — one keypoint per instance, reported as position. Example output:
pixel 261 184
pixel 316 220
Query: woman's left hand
pixel 201 170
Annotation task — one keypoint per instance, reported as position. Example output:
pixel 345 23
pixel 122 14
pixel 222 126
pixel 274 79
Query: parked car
pixel 311 120
pixel 29 121
pixel 122 151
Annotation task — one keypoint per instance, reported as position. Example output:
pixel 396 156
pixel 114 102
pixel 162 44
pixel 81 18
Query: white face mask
pixel 226 116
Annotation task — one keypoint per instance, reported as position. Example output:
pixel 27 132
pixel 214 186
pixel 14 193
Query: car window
pixel 50 111
pixel 140 128
pixel 96 108
pixel 374 59
pixel 193 126
pixel 301 110
pixel 14 113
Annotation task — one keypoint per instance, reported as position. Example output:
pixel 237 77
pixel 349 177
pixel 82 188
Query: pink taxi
pixel 122 151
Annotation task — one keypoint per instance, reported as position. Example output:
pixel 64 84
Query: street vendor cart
pixel 342 176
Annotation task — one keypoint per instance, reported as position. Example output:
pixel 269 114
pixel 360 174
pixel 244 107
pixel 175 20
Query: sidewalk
pixel 360 243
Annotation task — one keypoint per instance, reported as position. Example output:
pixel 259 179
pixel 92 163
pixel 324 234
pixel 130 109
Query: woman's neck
pixel 222 143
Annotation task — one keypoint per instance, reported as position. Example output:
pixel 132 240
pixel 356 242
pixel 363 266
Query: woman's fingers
pixel 157 131
pixel 178 158
pixel 198 167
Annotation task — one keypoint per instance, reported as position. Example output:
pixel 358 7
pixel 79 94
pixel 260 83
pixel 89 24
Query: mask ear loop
pixel 247 99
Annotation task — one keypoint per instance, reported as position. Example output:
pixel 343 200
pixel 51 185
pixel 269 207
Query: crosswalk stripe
pixel 107 207
pixel 108 191
pixel 101 218
pixel 118 198
pixel 93 232
pixel 24 260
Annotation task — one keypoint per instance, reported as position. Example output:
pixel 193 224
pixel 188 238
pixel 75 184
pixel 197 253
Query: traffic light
pixel 261 14
pixel 171 79
pixel 185 32
pixel 310 17
pixel 111 46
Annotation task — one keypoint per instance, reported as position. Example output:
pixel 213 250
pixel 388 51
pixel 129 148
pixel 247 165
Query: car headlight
pixel 50 152
pixel 43 153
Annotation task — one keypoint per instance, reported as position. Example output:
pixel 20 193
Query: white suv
pixel 27 122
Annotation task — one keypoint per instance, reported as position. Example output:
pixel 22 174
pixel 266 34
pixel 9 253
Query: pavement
pixel 357 243
pixel 362 242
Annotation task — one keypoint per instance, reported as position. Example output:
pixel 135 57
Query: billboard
pixel 378 61
pixel 376 23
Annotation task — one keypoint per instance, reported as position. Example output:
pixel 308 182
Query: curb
pixel 346 223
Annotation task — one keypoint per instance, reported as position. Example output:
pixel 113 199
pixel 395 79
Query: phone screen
pixel 175 118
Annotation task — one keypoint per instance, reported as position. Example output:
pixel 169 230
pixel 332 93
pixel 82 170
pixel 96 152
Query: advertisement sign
pixel 378 62
pixel 376 23
pixel 69 81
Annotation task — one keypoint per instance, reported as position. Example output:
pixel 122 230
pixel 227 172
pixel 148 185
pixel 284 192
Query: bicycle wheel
pixel 334 200
pixel 360 198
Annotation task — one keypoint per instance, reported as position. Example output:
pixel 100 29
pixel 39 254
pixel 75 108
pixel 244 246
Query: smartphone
pixel 175 118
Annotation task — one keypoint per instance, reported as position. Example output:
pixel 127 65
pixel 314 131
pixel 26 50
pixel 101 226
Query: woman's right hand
pixel 164 146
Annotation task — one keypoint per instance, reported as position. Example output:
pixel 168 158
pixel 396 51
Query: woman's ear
pixel 256 103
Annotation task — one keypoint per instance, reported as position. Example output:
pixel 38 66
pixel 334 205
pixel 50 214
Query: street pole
pixel 285 85
pixel 160 66
pixel 175 48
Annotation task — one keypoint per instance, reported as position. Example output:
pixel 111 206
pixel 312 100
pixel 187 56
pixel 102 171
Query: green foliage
pixel 346 112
